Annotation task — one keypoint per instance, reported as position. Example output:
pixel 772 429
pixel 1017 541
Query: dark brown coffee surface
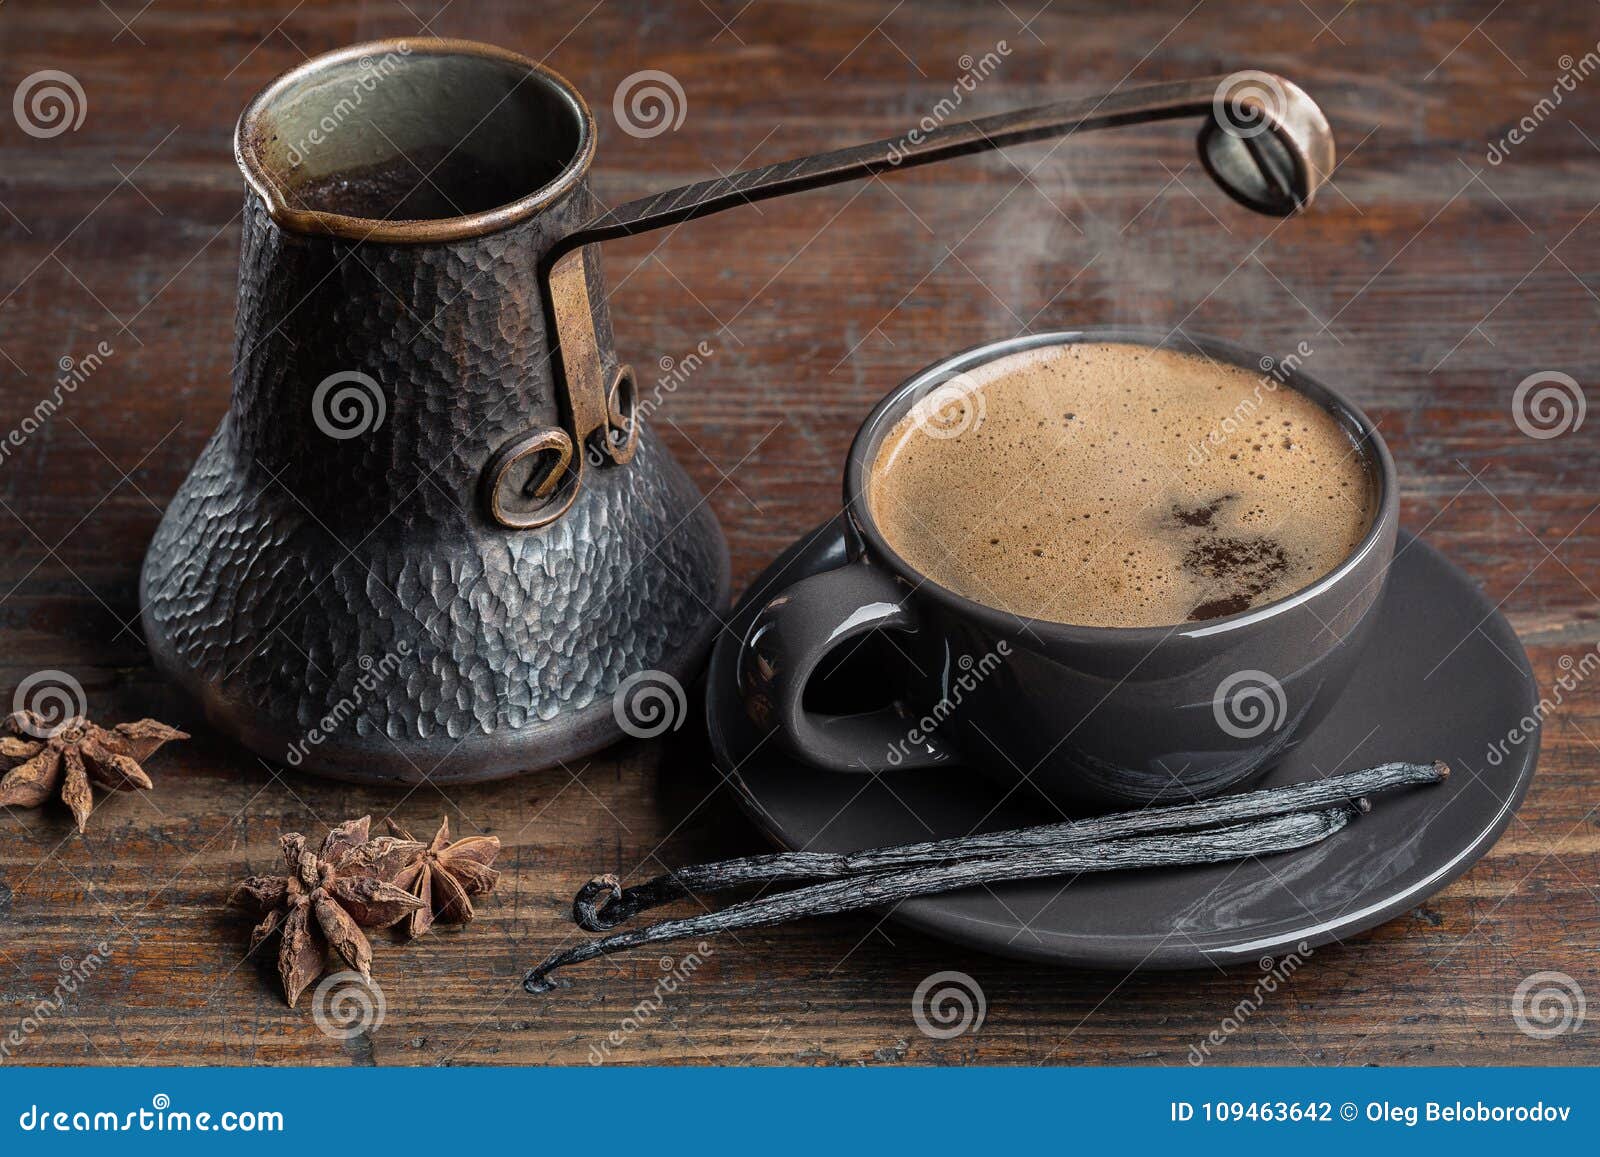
pixel 1119 485
pixel 428 184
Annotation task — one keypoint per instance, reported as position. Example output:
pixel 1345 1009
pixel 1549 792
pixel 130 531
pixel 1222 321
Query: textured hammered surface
pixel 453 337
pixel 422 637
pixel 300 580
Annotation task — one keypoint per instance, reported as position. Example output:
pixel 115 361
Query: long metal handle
pixel 1263 140
pixel 1283 178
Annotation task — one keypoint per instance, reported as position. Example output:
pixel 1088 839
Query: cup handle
pixel 790 638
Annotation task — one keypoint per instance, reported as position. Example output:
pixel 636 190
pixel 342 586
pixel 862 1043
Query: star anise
pixel 326 897
pixel 66 759
pixel 446 875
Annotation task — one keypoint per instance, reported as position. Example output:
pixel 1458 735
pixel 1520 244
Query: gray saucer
pixel 1444 678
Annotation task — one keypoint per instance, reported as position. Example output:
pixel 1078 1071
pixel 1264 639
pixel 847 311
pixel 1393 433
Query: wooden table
pixel 1429 280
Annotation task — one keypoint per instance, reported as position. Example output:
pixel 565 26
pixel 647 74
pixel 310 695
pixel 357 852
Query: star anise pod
pixel 326 897
pixel 41 760
pixel 446 875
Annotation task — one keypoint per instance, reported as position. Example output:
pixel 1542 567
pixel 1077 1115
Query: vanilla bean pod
pixel 603 903
pixel 1258 837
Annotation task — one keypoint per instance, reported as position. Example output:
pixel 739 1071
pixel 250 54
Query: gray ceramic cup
pixel 1092 716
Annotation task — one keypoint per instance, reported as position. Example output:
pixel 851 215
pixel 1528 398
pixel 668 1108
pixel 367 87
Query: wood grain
pixel 1429 283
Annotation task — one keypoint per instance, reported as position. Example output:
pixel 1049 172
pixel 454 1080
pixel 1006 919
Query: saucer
pixel 1444 678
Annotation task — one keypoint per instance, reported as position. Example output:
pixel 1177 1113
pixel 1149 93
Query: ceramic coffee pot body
pixel 432 538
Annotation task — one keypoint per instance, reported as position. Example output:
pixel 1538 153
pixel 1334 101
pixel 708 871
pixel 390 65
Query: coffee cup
pixel 1127 707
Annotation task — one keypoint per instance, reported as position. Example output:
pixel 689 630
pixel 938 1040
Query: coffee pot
pixel 433 537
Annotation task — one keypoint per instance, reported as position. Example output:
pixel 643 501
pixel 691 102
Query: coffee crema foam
pixel 1119 485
